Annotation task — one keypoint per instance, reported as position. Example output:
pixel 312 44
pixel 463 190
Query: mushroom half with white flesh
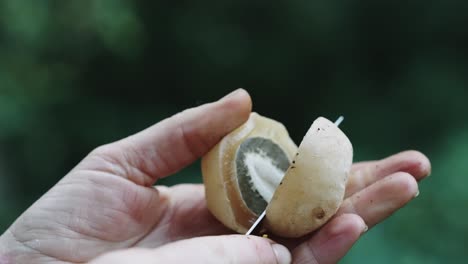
pixel 258 166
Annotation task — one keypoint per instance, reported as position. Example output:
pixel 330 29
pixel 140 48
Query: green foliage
pixel 78 74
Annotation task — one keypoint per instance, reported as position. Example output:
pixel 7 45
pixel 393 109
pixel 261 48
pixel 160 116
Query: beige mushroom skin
pixel 219 173
pixel 310 192
pixel 312 189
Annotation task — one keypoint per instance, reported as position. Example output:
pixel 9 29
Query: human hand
pixel 106 206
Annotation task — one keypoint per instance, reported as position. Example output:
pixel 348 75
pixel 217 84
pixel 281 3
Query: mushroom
pixel 243 170
pixel 313 188
pixel 258 167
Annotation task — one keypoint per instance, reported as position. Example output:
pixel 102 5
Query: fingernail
pixel 233 94
pixel 365 229
pixel 416 194
pixel 429 172
pixel 283 256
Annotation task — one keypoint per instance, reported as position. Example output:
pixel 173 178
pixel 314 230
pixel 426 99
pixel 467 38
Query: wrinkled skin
pixel 106 206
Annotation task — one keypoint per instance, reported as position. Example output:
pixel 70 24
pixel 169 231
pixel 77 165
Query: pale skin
pixel 106 210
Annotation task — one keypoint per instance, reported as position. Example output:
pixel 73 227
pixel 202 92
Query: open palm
pixel 107 203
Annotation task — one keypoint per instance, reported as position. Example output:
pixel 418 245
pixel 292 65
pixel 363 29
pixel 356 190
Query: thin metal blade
pixel 262 215
pixel 256 224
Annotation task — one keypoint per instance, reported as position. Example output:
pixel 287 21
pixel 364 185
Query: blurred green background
pixel 78 74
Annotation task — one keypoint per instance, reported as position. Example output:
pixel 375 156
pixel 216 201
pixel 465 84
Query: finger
pixel 216 249
pixel 190 213
pixel 364 174
pixel 173 143
pixel 188 216
pixel 381 199
pixel 331 242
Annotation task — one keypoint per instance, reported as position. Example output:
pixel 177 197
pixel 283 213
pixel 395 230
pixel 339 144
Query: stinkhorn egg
pixel 258 167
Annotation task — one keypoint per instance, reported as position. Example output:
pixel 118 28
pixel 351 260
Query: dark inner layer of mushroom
pixel 269 150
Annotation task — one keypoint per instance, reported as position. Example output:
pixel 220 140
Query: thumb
pixel 214 249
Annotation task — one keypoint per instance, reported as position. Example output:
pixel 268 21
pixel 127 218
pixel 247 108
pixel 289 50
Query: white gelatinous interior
pixel 265 176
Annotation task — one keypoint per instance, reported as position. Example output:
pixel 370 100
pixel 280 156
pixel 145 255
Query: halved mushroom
pixel 313 188
pixel 243 174
pixel 242 171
